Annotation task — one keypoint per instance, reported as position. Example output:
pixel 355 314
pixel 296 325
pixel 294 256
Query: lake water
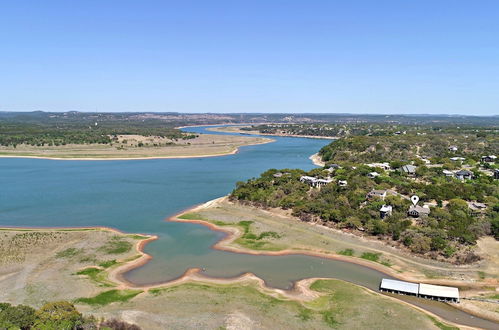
pixel 137 195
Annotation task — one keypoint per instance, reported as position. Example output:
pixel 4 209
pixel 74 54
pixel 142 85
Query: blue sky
pixel 251 56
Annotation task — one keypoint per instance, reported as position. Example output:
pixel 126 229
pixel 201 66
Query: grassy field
pixel 42 265
pixel 203 145
pixel 209 306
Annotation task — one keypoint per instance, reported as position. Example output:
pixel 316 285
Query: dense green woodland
pixel 60 315
pixel 100 132
pixel 405 148
pixel 447 233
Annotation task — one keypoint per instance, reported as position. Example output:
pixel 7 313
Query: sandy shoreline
pixel 317 160
pixel 233 152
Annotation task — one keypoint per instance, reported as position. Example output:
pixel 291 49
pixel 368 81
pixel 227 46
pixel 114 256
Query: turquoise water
pixel 137 195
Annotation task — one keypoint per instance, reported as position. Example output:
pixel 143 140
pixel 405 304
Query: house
pixel 452 148
pixel 496 174
pixel 384 166
pixel 456 159
pixel 489 159
pixel 332 168
pixel 385 211
pixel 278 175
pixel 372 175
pixel 322 182
pixel 307 179
pixel 376 193
pixel 409 169
pixel 448 173
pixel 464 175
pixel 314 182
pixel 425 160
pixel 417 211
pixel 476 208
pixel 342 183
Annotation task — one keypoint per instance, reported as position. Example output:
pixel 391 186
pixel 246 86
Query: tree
pixel 58 315
pixel 20 316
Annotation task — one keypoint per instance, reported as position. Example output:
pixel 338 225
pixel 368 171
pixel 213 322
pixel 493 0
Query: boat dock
pixel 427 291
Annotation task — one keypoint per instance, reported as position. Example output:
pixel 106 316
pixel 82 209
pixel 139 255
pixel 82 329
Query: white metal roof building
pixel 399 286
pixel 428 291
pixel 438 291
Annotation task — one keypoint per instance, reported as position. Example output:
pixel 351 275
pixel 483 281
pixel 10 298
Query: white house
pixel 385 211
pixel 452 148
pixel 372 175
pixel 448 173
pixel 342 183
pixel 456 159
pixel 376 193
pixel 314 182
pixel 384 166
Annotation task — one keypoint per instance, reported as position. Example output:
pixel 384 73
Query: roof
pixel 385 208
pixel 464 172
pixel 419 209
pixel 477 206
pixel 409 168
pixel 378 192
pixel 399 286
pixel 438 291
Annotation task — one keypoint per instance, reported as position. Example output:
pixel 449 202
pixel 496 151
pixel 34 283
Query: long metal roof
pixel 438 291
pixel 401 286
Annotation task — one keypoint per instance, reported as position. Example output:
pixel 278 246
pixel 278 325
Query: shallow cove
pixel 137 195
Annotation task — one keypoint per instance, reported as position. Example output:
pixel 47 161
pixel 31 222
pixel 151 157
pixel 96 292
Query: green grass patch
pixel 191 216
pixel 221 223
pixel 441 325
pixel 329 318
pixel 109 297
pixel 268 234
pixel 304 314
pixel 117 245
pixel 68 253
pixel 97 275
pixel 137 237
pixel 108 263
pixel 386 263
pixel 482 275
pixel 251 240
pixel 371 256
pixel 347 252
